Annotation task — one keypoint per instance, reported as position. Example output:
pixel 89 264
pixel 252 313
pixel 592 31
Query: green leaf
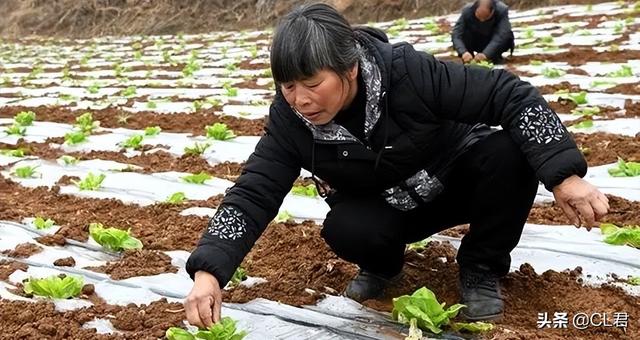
pixel 238 276
pixel 175 333
pixel 472 327
pixel 85 123
pixel 41 223
pixel 583 124
pixel 25 171
pixel 16 129
pixel 73 138
pixel 219 131
pixel 176 198
pixel 134 142
pixel 68 160
pixel 152 130
pixel 19 152
pixel 628 235
pixel 309 190
pixel 25 118
pixel 484 63
pixel 283 216
pixel 586 111
pixel 635 281
pixel 624 71
pixel 91 182
pixel 423 306
pixel 553 72
pixel 199 178
pixel 113 239
pixel 223 330
pixel 420 245
pixel 54 286
pixel 625 169
pixel 197 149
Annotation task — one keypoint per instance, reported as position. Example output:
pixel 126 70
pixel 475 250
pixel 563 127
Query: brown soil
pixel 159 226
pixel 562 105
pixel 23 250
pixel 292 258
pixel 65 262
pixel 138 263
pixel 565 85
pixel 631 88
pixel 604 148
pixel 27 320
pixel 633 109
pixel 8 267
pixel 621 212
pixel 176 122
pixel 577 56
pixel 52 240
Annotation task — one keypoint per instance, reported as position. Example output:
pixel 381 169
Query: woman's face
pixel 322 96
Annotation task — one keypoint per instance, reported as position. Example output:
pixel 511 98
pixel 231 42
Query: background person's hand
pixel 582 202
pixel 480 57
pixel 204 302
pixel 467 57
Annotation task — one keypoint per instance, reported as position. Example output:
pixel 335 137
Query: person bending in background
pixel 483 32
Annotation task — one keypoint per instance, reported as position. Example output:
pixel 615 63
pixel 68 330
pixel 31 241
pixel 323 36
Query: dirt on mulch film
pixel 65 262
pixel 604 148
pixel 193 123
pixel 137 263
pixel 23 250
pixel 40 320
pixel 7 268
pixel 629 88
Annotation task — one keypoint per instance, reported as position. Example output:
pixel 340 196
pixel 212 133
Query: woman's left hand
pixel 581 202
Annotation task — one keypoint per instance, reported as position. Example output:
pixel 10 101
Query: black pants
pixel 491 186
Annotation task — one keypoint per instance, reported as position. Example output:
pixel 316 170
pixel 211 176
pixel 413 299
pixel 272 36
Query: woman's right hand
pixel 204 302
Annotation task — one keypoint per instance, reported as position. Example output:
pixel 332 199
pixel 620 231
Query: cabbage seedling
pixel 85 123
pixel 20 152
pixel 308 191
pixel 635 281
pixel 25 118
pixel 231 91
pixel 54 286
pixel 113 239
pixel 238 276
pixel 224 330
pixel 41 223
pixel 176 198
pixel 625 169
pixel 197 179
pixel 152 130
pixel 586 111
pixel 628 235
pixel 420 245
pixel 73 138
pixel 16 129
pixel 130 91
pixel 583 125
pixel 219 131
pixel 551 72
pixel 423 306
pixel 196 150
pixel 624 71
pixel 133 142
pixel 91 182
pixel 68 160
pixel 25 171
pixel 283 216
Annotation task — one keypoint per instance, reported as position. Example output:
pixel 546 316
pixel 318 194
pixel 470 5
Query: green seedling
pixel 550 72
pixel 113 239
pixel 130 91
pixel 224 330
pixel 25 118
pixel 423 306
pixel 585 124
pixel 628 235
pixel 133 142
pixel 238 276
pixel 308 190
pixel 16 129
pixel 176 198
pixel 219 131
pixel 199 178
pixel 625 169
pixel 73 138
pixel 197 149
pixel 420 245
pixel 586 111
pixel 54 286
pixel 68 160
pixel 86 124
pixel 624 71
pixel 25 171
pixel 91 182
pixel 152 131
pixel 283 216
pixel 41 223
pixel 20 152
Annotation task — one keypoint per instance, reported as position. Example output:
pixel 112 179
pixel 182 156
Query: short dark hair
pixel 310 38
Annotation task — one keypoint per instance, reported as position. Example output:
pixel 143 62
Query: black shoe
pixel 480 291
pixel 368 285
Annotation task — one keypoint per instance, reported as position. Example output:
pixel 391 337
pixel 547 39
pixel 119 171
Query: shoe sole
pixel 492 317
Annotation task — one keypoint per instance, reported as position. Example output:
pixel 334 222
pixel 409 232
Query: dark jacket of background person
pixel 491 37
pixel 429 113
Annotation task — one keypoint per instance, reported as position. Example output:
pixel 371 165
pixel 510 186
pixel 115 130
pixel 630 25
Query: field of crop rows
pixel 144 134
